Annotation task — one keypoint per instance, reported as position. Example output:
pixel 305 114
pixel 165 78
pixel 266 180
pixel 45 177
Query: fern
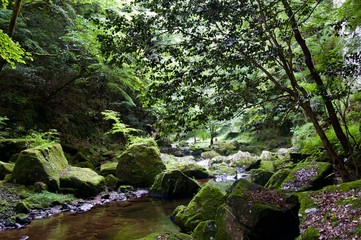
pixel 41 139
pixel 118 126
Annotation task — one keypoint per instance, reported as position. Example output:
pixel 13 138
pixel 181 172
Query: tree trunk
pixel 341 136
pixel 12 25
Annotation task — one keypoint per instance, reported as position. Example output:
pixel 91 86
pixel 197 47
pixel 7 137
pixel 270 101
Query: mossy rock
pixel 263 213
pixel 174 184
pixel 228 226
pixel 138 165
pixel 40 165
pixel 205 230
pixel 85 181
pixel 86 159
pixel 210 154
pixel 260 176
pixel 108 168
pixel 267 165
pixel 194 171
pixel 307 176
pixel 221 168
pixel 201 208
pixel 111 181
pixel 5 168
pixel 277 178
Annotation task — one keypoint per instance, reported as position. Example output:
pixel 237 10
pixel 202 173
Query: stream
pixel 112 221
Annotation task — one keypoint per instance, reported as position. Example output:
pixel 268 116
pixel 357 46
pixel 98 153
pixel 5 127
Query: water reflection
pixel 114 221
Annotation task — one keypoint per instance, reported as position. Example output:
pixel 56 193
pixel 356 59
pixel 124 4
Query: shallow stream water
pixel 113 221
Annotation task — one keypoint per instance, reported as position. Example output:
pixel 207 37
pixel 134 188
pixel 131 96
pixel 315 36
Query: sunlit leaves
pixel 10 51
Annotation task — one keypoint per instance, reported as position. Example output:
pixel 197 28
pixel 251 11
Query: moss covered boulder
pixel 228 226
pixel 40 165
pixel 201 208
pixel 108 168
pixel 263 213
pixel 277 178
pixel 5 168
pixel 193 170
pixel 205 230
pixel 174 184
pixel 308 176
pixel 84 181
pixel 260 176
pixel 139 165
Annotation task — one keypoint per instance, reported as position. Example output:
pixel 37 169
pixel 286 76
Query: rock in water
pixel 174 184
pixel 139 165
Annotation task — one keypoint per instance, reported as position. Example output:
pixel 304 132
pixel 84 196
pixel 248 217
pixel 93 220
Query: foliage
pixel 40 139
pixel 2 125
pixel 305 137
pixel 11 51
pixel 143 140
pixel 4 3
pixel 118 126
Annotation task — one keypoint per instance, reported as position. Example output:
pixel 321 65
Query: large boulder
pixel 193 170
pixel 5 168
pixel 277 178
pixel 260 213
pixel 307 176
pixel 174 184
pixel 139 165
pixel 260 176
pixel 84 181
pixel 201 208
pixel 42 164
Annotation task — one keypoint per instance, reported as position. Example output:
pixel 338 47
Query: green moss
pixel 6 168
pixel 227 225
pixel 221 168
pixel 40 165
pixel 210 154
pixel 111 181
pixel 85 181
pixel 194 171
pixel 307 176
pixel 277 178
pixel 201 208
pixel 267 165
pixel 108 168
pixel 205 230
pixel 260 176
pixel 173 184
pixel 139 165
pixel 46 199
